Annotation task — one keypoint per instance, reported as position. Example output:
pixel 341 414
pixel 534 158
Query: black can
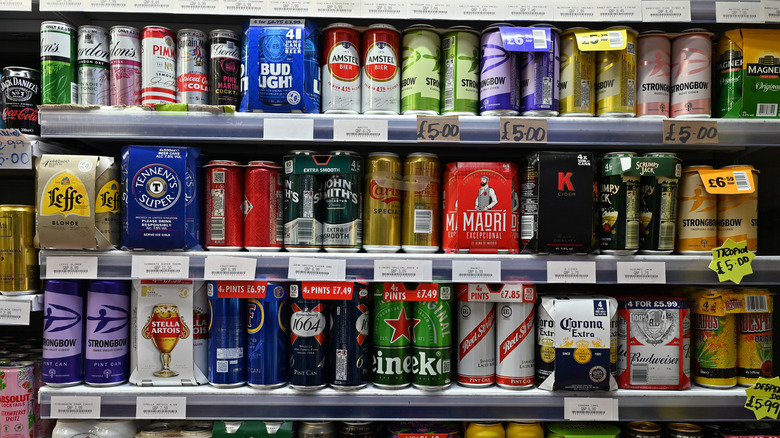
pixel 308 340
pixel 683 430
pixel 349 337
pixel 642 429
pixel 21 90
pixel 356 429
pixel 225 88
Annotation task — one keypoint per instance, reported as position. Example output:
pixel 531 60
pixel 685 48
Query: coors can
pixel 125 62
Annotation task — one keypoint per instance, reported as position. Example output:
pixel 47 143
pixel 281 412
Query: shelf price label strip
pixel 154 408
pixel 229 268
pixel 466 271
pixel 305 268
pixel 75 407
pixel 71 267
pixel 590 409
pixel 403 270
pixel 13 312
pixel 641 272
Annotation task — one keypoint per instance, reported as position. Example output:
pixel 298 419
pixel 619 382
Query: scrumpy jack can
pixel 498 79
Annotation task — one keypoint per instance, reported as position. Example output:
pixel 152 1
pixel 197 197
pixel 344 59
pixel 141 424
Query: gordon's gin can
pixel 381 75
pixel 125 59
pixel 653 75
pixel 692 74
pixel 93 57
pixel 341 69
pixel 224 86
pixel 192 68
pixel 499 77
pixel 263 206
pixel 476 340
pixel 158 53
pixel 224 200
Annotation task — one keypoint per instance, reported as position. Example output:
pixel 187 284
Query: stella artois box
pixel 165 330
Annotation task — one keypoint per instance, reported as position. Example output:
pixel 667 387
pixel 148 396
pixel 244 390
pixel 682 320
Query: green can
pixel 433 341
pixel 460 78
pixel 58 63
pixel 392 331
pixel 619 192
pixel 659 174
pixel 302 207
pixel 420 71
pixel 728 71
pixel 342 230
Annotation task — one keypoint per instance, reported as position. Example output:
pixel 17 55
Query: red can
pixel 341 69
pixel 381 72
pixel 224 190
pixel 263 223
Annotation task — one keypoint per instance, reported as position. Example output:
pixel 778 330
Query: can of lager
pixel 619 191
pixel 432 341
pixel 729 74
pixel 716 349
pixel 125 59
pixel 738 213
pixel 421 203
pixel 317 429
pixel 545 344
pixel 460 78
pixel 356 429
pixel 268 338
pixel 653 74
pixel 192 67
pixel 341 69
pixel 754 347
pixel 263 206
pixel 223 205
pixel 63 333
pixel 158 64
pixel 692 74
pixel 643 429
pixel 420 70
pixel 540 78
pixel 303 215
pixel 499 78
pixel 578 74
pixel 58 63
pixel 382 214
pixel 227 339
pixel 225 72
pixel 476 341
pixel 342 228
pixel 20 89
pixel 683 430
pixel 616 76
pixel 19 271
pixel 485 430
pixel 697 214
pixel 524 429
pixel 658 203
pixel 308 342
pixel 392 336
pixel 348 347
pixel 93 59
pixel 381 74
pixel 201 318
pixel 107 350
pixel 515 344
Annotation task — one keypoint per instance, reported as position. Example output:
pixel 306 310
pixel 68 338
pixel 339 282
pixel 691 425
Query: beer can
pixel 716 350
pixel 692 74
pixel 114 429
pixel 67 428
pixel 125 69
pixel 524 429
pixel 263 206
pixel 356 429
pixel 192 67
pixel 341 69
pixel 158 64
pixel 19 271
pixel 616 76
pixel 303 207
pixel 420 70
pixel 392 339
pixel 63 333
pixel 683 430
pixel 317 429
pixel 93 62
pixel 348 347
pixel 158 429
pixel 382 205
pixel 223 204
pixel 308 341
pixel 460 79
pixel 540 78
pixel 738 213
pixel 545 344
pixel 18 399
pixel 499 78
pixel 754 348
pixel 577 78
pixel 643 429
pixel 619 207
pixel 225 69
pixel 311 68
pixel 196 429
pixel 515 345
pixel 20 89
pixel 697 214
pixel 653 74
pixel 107 350
pixel 227 339
pixel 268 338
pixel 421 229
pixel 432 341
pixel 476 341
pixel 201 318
pixel 58 63
pixel 485 430
pixel 728 71
pixel 658 206
pixel 342 228
pixel 381 72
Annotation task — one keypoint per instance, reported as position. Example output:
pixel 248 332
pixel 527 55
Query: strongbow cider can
pixel 420 70
pixel 616 76
pixel 697 214
pixel 381 72
pixel 58 63
pixel 224 221
pixel 225 72
pixel 268 337
pixel 341 69
pixel 263 206
pixel 738 212
pixel 93 58
pixel 158 64
pixel 192 67
pixel 382 214
pixel 460 76
pixel 653 74
pixel 63 333
pixel 692 74
pixel 308 341
pixel 125 62
pixel 539 78
pixel 107 350
pixel 499 76
pixel 392 335
pixel 421 203
pixel 577 78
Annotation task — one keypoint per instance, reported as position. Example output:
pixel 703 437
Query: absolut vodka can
pixel 93 58
pixel 225 86
pixel 63 333
pixel 539 77
pixel 108 333
pixel 498 79
pixel 125 59
pixel 192 67
pixel 158 53
pixel 58 63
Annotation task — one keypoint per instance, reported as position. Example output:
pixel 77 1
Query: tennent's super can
pixel 227 339
pixel 653 70
pixel 225 71
pixel 381 72
pixel 539 78
pixel 421 231
pixel 342 228
pixel 93 58
pixel 499 82
pixel 263 206
pixel 392 335
pixel 432 341
pixel 619 192
pixel 192 67
pixel 692 74
pixel 577 79
pixel 349 339
pixel 616 76
pixel 308 341
pixel 223 206
pixel 738 213
pixel 268 338
pixel 420 70
pixel 158 65
pixel 19 271
pixel 58 63
pixel 63 333
pixel 460 76
pixel 341 69
pixel 697 214
pixel 125 67
pixel 107 350
pixel 382 205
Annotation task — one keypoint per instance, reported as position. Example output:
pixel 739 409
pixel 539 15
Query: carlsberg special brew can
pixel 420 70
pixel 58 63
pixel 460 75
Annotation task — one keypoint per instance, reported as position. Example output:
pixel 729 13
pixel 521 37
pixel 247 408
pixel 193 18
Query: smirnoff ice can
pixel 125 59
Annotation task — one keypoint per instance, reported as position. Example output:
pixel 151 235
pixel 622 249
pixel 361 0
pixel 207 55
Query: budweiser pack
pixel 481 207
pixel 78 202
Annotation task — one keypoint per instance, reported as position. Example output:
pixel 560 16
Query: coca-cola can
pixel 692 74
pixel 192 82
pixel 263 203
pixel 224 221
pixel 225 87
pixel 21 94
pixel 92 59
pixel 653 74
pixel 158 65
pixel 125 67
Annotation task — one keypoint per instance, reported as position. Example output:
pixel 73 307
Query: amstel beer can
pixel 20 96
pixel 460 79
pixel 58 63
pixel 158 64
pixel 341 69
pixel 697 214
pixel 192 67
pixel 728 71
pixel 263 206
pixel 125 67
pixel 382 204
pixel 303 207
pixel 658 203
pixel 107 349
pixel 540 78
pixel 653 72
pixel 349 332
pixel 499 78
pixel 308 341
pixel 738 213
pixel 432 341
pixel 716 350
pixel 485 430
pixel 342 227
pixel 381 72
pixel 227 339
pixel 577 79
pixel 692 74
pixel 476 341
pixel 223 205
pixel 754 348
pixel 420 70
pixel 63 333
pixel 225 71
pixel 421 203
pixel 392 335
pixel 93 61
pixel 619 206
pixel 515 344
pixel 524 429
pixel 268 338
pixel 616 76
pixel 19 271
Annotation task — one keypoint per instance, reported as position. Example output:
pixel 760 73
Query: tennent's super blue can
pixel 498 77
pixel 308 341
pixel 107 353
pixel 349 338
pixel 227 339
pixel 539 76
pixel 268 338
pixel 63 333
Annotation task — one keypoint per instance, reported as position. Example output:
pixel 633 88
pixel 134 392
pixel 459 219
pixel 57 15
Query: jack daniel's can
pixel 20 88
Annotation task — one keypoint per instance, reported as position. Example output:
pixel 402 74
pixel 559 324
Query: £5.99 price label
pixel 763 398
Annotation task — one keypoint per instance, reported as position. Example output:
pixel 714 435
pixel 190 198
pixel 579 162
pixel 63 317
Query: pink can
pixel 125 66
pixel 653 74
pixel 692 74
pixel 17 402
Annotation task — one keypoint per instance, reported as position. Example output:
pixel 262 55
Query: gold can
pixel 421 203
pixel 697 214
pixel 524 429
pixel 754 340
pixel 738 215
pixel 716 346
pixel 683 430
pixel 616 78
pixel 19 272
pixel 578 72
pixel 382 205
pixel 485 430
pixel 643 429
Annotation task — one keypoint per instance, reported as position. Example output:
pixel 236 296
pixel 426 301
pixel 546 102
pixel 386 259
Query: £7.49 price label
pixel 423 292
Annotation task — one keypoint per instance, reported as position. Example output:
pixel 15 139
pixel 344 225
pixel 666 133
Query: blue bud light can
pixel 107 351
pixel 276 65
pixel 268 338
pixel 311 64
pixel 498 76
pixel 227 339
pixel 63 333
pixel 308 342
pixel 349 334
pixel 539 76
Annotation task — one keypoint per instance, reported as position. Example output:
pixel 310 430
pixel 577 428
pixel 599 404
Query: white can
pixel 73 429
pixel 692 74
pixel 476 343
pixel 200 327
pixel 515 364
pixel 125 69
pixel 93 56
pixel 158 65
pixel 341 69
pixel 192 67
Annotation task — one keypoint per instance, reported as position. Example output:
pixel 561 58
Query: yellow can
pixel 19 272
pixel 697 213
pixel 754 342
pixel 616 79
pixel 382 204
pixel 485 430
pixel 738 216
pixel 715 361
pixel 524 429
pixel 578 74
pixel 421 217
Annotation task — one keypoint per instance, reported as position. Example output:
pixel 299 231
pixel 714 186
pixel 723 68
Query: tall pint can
pixel 58 63
pixel 125 69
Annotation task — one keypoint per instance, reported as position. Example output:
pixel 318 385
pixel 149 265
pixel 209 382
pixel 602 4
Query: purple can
pixel 539 76
pixel 108 333
pixel 498 76
pixel 63 333
pixel 125 63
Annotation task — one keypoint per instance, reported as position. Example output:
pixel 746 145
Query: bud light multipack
pixel 281 66
pixel 161 197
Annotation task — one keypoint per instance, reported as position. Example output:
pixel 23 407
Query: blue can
pixel 63 333
pixel 349 335
pixel 227 339
pixel 498 77
pixel 268 338
pixel 539 77
pixel 311 62
pixel 107 353
pixel 308 342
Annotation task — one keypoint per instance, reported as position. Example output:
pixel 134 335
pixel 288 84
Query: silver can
pixel 317 429
pixel 72 428
pixel 192 67
pixel 92 59
pixel 114 429
pixel 476 344
pixel 515 362
pixel 125 67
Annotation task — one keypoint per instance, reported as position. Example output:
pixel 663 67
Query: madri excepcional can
pixel 653 70
pixel 381 71
pixel 58 63
pixel 382 205
pixel 692 74
pixel 577 78
pixel 192 67
pixel 697 214
pixel 420 70
pixel 224 220
pixel 616 76
pixel 341 69
pixel 93 58
pixel 225 71
pixel 125 67
pixel 460 78
pixel 263 206
pixel 158 65
pixel 421 223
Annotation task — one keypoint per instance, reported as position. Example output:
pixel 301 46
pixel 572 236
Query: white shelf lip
pixel 36 300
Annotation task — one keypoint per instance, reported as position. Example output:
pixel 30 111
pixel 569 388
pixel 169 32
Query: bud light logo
pixel 156 187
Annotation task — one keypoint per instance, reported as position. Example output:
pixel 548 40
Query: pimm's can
pixel 224 201
pixel 158 65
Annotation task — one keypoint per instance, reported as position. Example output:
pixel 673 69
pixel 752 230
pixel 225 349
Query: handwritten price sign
pixel 732 261
pixel 763 398
pixel 433 128
pixel 691 132
pixel 521 130
pixel 15 150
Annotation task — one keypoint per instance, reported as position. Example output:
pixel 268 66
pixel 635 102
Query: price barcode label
pixel 16 5
pixel 289 8
pixel 429 9
pixel 590 409
pixel 160 267
pixel 529 10
pixel 229 268
pixel 466 271
pixel 14 312
pixel 243 7
pixel 304 268
pixel 641 272
pixel 359 130
pixel 728 181
pixel 383 9
pixel 738 12
pixel 666 11
pixel 75 407
pixel 574 12
pixel 71 267
pixel 571 272
pixel 147 408
pixel 403 270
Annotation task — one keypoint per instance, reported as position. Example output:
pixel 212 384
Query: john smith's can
pixel 125 67
pixel 697 214
pixel 619 206
pixel 107 350
pixel 432 341
pixel 308 341
pixel 225 72
pixel 268 338
pixel 58 63
pixel 653 74
pixel 224 201
pixel 392 335
pixel 381 72
pixel 63 333
pixel 421 203
pixel 158 64
pixel 476 341
pixel 19 271
pixel 192 67
pixel 692 74
pixel 616 76
pixel 342 228
pixel 227 339
pixel 738 213
pixel 263 206
pixel 577 79
pixel 716 350
pixel 658 206
pixel 341 69
pixel 460 78
pixel 93 58
pixel 499 79
pixel 303 207
pixel 349 339
pixel 382 214
pixel 539 78
pixel 21 95
pixel 420 70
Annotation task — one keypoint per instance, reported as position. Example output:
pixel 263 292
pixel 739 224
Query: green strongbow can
pixel 433 341
pixel 420 70
pixel 58 63
pixel 460 76
pixel 392 352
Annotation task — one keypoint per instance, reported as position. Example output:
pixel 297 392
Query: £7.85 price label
pixel 691 132
pixel 522 130
pixel 437 128
pixel 763 398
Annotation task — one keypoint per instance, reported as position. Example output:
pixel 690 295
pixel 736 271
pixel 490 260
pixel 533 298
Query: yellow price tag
pixel 730 181
pixel 732 261
pixel 763 398
pixel 601 40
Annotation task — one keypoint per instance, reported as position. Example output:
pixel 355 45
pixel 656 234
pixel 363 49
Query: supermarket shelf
pixel 35 300
pixel 680 269
pixel 456 403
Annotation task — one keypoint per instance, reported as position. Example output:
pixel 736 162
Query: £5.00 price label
pixel 732 261
pixel 15 150
pixel 435 128
pixel 763 398
pixel 691 132
pixel 728 181
pixel 522 130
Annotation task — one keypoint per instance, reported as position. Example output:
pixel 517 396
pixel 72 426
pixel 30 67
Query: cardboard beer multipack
pixel 253 429
pixel 759 83
pixel 77 202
